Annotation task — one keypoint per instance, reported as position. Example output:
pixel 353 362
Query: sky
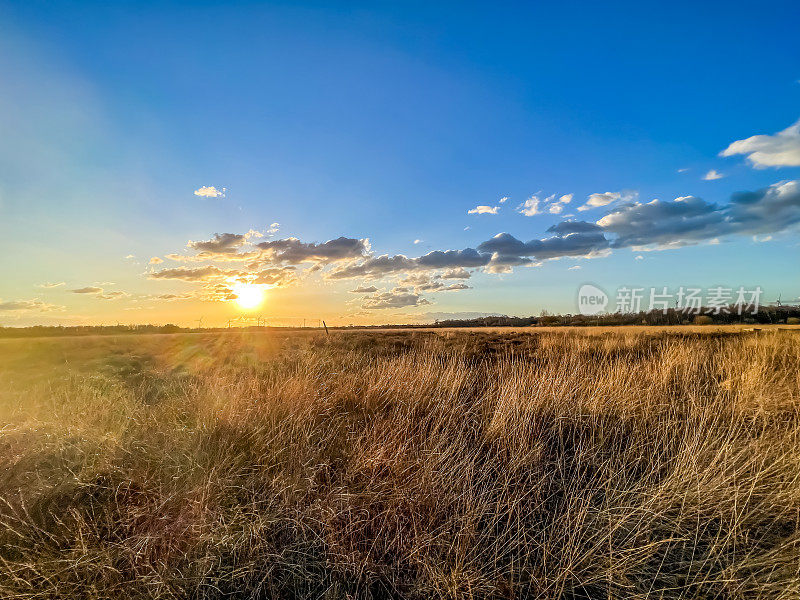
pixel 387 162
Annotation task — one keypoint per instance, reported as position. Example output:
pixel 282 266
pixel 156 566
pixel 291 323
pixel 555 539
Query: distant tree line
pixel 766 315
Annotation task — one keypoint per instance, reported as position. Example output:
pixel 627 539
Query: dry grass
pixel 413 465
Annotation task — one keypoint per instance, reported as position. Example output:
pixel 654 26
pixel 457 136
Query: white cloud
pixel 483 210
pixel 503 200
pixel 209 191
pixel 639 257
pixel 48 285
pixel 557 206
pixel 779 150
pixel 417 241
pixel 530 207
pixel 156 261
pixel 682 170
pixel 574 268
pixel 605 198
pixel 713 175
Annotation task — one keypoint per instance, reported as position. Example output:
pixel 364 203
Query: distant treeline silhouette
pixel 766 315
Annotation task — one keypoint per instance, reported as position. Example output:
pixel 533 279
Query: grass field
pixel 419 464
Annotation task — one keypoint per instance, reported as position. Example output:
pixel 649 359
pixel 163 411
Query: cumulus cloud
pixel 220 243
pixel 779 150
pixel 713 175
pixel 557 206
pixel 457 273
pixel 209 191
pixel 378 266
pixel 483 210
pixel 48 285
pixel 536 205
pixel 605 198
pixel 690 220
pixel 155 261
pixel 293 251
pixel 88 290
pixel 530 207
pixel 397 298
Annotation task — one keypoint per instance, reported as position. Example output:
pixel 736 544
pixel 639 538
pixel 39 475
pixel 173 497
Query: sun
pixel 248 295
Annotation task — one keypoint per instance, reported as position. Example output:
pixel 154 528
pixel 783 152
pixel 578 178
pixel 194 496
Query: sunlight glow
pixel 248 295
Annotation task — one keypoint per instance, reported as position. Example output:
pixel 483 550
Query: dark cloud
pixel 379 266
pixel 221 243
pixel 362 289
pixel 293 251
pixel 691 220
pixel 507 248
pixel 397 298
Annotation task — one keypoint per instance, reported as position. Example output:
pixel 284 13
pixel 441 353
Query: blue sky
pixel 386 121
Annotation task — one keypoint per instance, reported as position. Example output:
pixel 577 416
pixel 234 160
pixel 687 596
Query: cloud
pixel 605 198
pixel 779 150
pixel 276 277
pixel 457 273
pixel 206 273
pixel 713 175
pixel 536 206
pixel 379 266
pixel 293 251
pixel 88 290
pixel 273 228
pixel 113 295
pixel 155 261
pixel 220 243
pixel 362 289
pixel 455 287
pixel 28 305
pixel 574 268
pixel 503 200
pixel 397 298
pixel 530 207
pixel 483 210
pixel 418 241
pixel 639 257
pixel 557 206
pixel 683 170
pixel 209 191
pixel 578 240
pixel 48 285
pixel 691 220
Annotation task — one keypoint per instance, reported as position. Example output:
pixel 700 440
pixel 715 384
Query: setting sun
pixel 248 295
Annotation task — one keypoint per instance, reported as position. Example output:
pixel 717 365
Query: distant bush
pixel 793 321
pixel 703 320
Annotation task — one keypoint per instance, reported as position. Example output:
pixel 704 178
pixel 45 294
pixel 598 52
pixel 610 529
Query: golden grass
pixel 443 464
